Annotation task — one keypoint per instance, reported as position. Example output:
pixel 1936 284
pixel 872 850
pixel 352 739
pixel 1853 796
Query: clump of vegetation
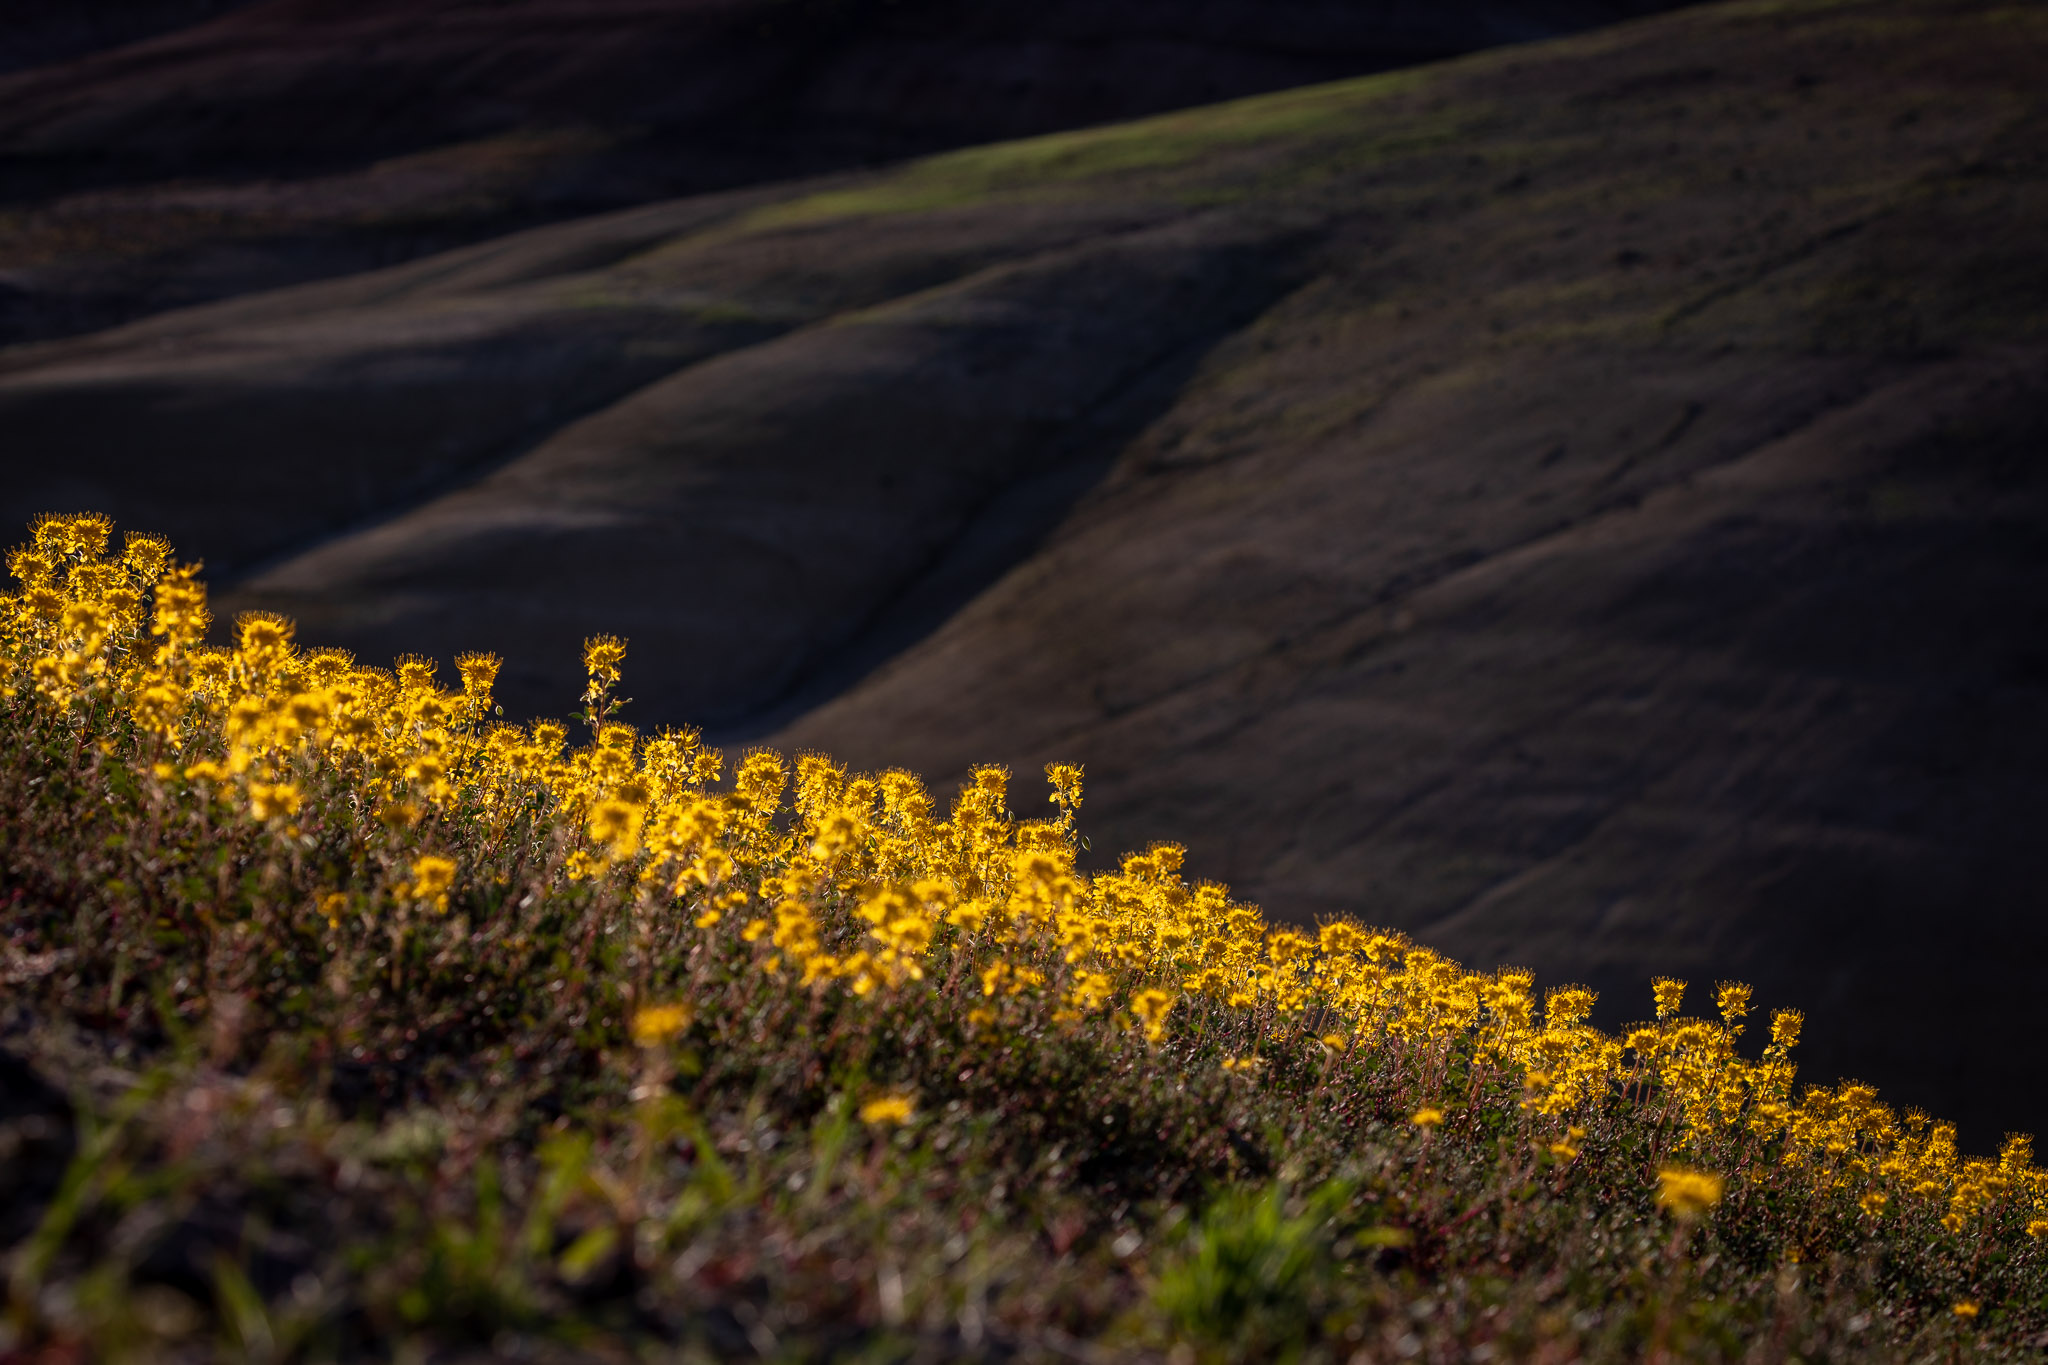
pixel 346 1022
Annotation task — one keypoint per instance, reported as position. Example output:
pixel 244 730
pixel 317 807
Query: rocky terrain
pixel 1581 503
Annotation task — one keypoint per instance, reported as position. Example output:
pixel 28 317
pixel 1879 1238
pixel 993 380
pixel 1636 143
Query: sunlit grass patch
pixel 1052 161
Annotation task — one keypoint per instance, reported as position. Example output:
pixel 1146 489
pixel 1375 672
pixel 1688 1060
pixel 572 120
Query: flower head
pixel 1151 1008
pixel 1687 1194
pixel 431 878
pixel 656 1024
pixel 1732 999
pixel 1427 1118
pixel 261 633
pixel 270 800
pixel 602 655
pixel 887 1110
pixel 616 824
pixel 1785 1026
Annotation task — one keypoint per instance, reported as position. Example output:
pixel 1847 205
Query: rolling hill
pixel 163 153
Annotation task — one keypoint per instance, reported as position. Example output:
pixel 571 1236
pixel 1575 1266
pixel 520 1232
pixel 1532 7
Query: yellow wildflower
pixel 1965 1308
pixel 602 655
pixel 656 1024
pixel 888 1109
pixel 1732 999
pixel 270 800
pixel 478 672
pixel 1001 977
pixel 157 707
pixel 1427 1118
pixel 399 815
pixel 262 633
pixel 1151 1008
pixel 1785 1025
pixel 431 878
pixel 1066 790
pixel 1089 992
pixel 617 825
pixel 1687 1194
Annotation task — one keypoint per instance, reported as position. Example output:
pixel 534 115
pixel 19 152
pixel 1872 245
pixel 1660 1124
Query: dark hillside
pixel 46 32
pixel 1580 504
pixel 296 139
pixel 1630 549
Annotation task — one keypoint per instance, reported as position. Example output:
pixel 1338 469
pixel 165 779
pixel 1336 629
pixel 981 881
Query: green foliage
pixel 1248 1278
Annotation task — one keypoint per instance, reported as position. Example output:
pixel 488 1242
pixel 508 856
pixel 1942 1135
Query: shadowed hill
pixel 1580 504
pixel 44 32
pixel 290 140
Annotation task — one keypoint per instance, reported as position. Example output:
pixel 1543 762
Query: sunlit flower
pixel 656 1024
pixel 886 1110
pixel 273 800
pixel 431 878
pixel 617 824
pixel 1151 1008
pixel 1687 1194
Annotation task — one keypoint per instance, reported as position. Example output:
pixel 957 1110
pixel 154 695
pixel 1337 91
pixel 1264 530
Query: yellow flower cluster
pixel 838 880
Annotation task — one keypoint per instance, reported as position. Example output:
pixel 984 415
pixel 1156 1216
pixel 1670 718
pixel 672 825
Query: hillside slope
pixel 1628 550
pixel 1581 504
pixel 289 140
pixel 45 32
